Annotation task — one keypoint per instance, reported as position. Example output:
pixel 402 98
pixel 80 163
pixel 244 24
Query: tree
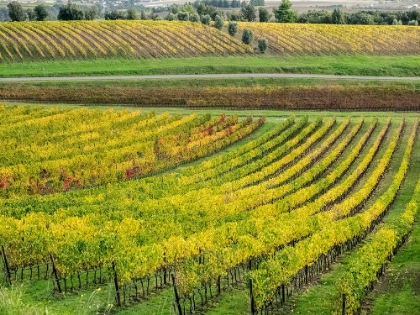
pixel 174 8
pixel 284 14
pixel 235 16
pixel 131 14
pixel 262 44
pixel 194 17
pixel 205 19
pixel 183 16
pixel 247 36
pixel 188 8
pixel 70 12
pixel 143 15
pixel 171 16
pixel 263 15
pixel 31 15
pixel 235 4
pixel 91 13
pixel 114 15
pixel 218 22
pixel 201 9
pixel 16 12
pixel 337 17
pixel 249 13
pixel 41 12
pixel 232 28
pixel 259 3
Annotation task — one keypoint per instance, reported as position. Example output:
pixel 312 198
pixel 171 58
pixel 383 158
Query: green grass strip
pixel 336 64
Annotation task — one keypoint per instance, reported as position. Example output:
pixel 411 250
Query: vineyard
pixel 146 206
pixel 46 41
pixel 104 39
pixel 286 38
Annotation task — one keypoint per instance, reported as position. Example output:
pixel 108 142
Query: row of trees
pixel 17 13
pixel 248 12
pixel 227 3
pixel 362 17
pixel 201 9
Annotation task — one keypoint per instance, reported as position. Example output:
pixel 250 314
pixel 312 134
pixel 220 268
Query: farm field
pixel 228 93
pixel 148 47
pixel 210 203
pixel 149 39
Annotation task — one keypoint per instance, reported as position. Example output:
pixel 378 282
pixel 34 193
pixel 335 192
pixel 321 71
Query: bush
pixel 247 36
pixel 205 19
pixel 262 44
pixel 218 22
pixel 413 23
pixel 232 28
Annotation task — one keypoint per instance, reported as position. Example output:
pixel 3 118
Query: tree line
pixel 206 11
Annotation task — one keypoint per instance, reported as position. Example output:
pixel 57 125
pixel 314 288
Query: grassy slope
pixel 332 64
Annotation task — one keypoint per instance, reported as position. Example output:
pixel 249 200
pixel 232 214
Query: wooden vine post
pixel 343 310
pixel 251 294
pixel 283 294
pixel 57 280
pixel 6 266
pixel 178 304
pixel 117 289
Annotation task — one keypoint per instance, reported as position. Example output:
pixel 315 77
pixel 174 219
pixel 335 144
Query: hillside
pixel 46 41
pixel 277 206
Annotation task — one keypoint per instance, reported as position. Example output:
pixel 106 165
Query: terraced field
pixel 260 219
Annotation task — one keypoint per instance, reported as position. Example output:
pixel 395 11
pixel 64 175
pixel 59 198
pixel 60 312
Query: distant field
pixel 46 41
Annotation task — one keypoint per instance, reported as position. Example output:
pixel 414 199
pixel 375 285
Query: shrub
pixel 413 23
pixel 247 36
pixel 232 28
pixel 218 22
pixel 262 44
